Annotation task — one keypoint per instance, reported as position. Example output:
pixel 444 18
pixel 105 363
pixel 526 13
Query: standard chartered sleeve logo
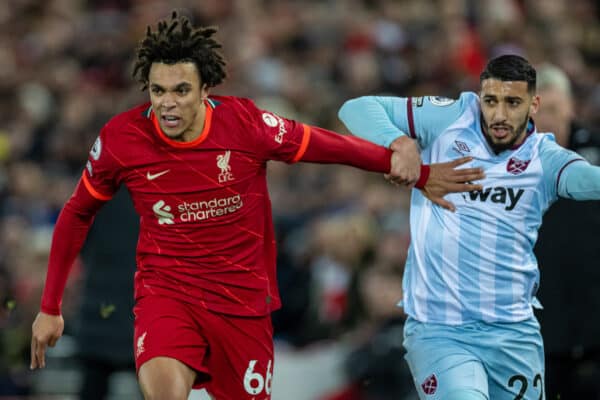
pixel 161 210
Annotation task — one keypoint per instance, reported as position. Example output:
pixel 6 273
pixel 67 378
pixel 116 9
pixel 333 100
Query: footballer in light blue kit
pixel 471 275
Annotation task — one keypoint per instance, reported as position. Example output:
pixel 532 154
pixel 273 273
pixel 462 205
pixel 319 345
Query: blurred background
pixel 65 69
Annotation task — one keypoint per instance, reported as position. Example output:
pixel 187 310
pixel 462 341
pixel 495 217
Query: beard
pixel 517 134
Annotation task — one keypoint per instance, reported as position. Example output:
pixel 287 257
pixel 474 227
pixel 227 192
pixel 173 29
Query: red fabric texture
pixel 206 231
pixel 233 355
pixel 69 235
pixel 329 147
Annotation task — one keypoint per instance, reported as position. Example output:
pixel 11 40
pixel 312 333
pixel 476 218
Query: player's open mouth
pixel 170 121
pixel 500 132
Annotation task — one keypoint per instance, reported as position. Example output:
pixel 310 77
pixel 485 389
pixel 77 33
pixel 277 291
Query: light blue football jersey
pixel 476 264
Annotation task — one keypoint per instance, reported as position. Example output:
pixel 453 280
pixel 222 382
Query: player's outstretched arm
pixel 447 178
pixel 69 235
pixel 328 147
pixel 371 118
pixel 579 180
pixel 436 180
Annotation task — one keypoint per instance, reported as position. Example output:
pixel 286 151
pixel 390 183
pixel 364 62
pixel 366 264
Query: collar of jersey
pixel 528 131
pixel 195 142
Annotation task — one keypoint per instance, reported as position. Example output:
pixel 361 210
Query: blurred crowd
pixel 65 69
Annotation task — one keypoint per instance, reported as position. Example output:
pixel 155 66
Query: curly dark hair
pixel 178 41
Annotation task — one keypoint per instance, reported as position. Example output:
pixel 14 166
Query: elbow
pixel 344 111
pixel 349 109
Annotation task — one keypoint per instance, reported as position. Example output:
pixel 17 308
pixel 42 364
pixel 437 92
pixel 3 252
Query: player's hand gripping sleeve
pixel 69 235
pixel 328 147
pixel 579 180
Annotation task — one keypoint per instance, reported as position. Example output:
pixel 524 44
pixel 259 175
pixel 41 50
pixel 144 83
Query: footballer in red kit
pixel 195 167
pixel 206 228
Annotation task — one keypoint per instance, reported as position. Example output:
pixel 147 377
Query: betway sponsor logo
pixel 508 196
pixel 197 210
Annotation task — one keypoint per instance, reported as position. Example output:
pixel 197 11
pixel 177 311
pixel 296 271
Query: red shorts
pixel 232 355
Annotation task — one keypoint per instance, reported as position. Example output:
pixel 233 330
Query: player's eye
pixel 514 103
pixel 157 91
pixel 182 91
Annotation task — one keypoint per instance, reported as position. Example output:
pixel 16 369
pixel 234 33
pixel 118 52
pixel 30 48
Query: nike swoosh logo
pixel 150 176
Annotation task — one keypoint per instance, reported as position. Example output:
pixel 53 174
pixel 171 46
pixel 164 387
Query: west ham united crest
pixel 430 384
pixel 516 166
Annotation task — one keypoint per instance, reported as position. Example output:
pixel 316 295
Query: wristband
pixel 425 169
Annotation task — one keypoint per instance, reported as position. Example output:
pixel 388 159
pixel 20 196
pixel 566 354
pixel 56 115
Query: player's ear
pixel 204 91
pixel 535 104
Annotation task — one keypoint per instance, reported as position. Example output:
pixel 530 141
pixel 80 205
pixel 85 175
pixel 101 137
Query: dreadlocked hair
pixel 175 42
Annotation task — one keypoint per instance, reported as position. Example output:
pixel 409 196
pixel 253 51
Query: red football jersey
pixel 206 231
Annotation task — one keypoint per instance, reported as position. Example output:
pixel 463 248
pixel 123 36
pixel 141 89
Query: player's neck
pixel 194 131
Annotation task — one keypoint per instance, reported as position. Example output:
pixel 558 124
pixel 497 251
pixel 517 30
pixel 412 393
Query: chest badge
pixel 516 166
pixel 223 164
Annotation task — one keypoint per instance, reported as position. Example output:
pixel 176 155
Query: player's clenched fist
pixel 406 162
pixel 46 330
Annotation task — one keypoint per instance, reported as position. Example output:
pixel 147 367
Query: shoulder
pixel 465 98
pixel 468 102
pixel 552 152
pixel 470 98
pixel 547 145
pixel 242 111
pixel 445 107
pixel 547 142
pixel 125 129
pixel 437 113
pixel 232 103
pixel 134 116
